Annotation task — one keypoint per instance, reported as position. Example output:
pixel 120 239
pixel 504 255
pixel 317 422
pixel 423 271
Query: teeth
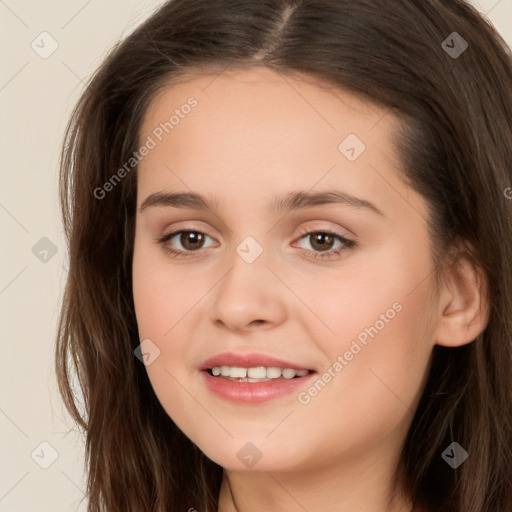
pixel 273 372
pixel 257 373
pixel 289 373
pixel 237 372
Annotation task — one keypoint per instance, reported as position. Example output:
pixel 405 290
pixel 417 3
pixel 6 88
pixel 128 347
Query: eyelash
pixel 324 255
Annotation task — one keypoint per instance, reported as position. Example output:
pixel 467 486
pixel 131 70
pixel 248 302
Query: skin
pixel 256 134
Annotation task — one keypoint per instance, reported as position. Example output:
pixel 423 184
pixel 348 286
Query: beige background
pixel 36 98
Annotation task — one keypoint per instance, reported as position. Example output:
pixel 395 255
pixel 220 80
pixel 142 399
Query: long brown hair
pixel 456 146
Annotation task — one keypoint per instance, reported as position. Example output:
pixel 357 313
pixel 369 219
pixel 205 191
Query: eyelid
pixel 185 226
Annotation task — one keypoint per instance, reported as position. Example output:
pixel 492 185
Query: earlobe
pixel 464 303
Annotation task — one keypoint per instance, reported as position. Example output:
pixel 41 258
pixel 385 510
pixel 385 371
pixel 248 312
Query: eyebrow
pixel 283 204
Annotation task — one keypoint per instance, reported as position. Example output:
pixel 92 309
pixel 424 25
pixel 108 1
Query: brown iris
pixel 191 240
pixel 324 241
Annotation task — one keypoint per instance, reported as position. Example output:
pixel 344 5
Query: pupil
pixel 321 239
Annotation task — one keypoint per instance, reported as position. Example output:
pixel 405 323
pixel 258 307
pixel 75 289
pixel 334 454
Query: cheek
pixel 377 385
pixel 383 296
pixel 163 293
pixel 164 299
pixel 379 355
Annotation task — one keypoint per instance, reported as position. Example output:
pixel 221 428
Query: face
pixel 307 248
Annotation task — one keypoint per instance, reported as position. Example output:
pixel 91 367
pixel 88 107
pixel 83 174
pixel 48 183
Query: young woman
pixel 290 282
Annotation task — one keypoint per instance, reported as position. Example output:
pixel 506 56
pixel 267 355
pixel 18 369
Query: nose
pixel 248 297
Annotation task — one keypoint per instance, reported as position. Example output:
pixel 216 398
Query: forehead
pixel 266 95
pixel 259 130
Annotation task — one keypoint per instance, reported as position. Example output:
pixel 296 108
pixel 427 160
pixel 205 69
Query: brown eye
pixel 322 244
pixel 322 241
pixel 185 242
pixel 191 240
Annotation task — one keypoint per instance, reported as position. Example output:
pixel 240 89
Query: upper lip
pixel 249 361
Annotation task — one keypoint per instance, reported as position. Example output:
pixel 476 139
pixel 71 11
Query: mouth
pixel 253 378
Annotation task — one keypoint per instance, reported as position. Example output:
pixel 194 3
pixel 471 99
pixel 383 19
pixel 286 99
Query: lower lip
pixel 253 392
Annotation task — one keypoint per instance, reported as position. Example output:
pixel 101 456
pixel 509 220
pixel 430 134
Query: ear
pixel 464 305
